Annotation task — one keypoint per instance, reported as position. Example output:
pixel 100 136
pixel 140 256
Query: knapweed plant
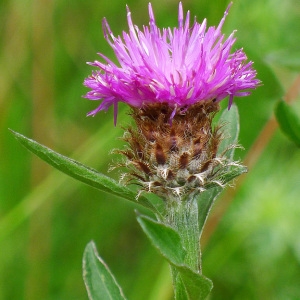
pixel 173 81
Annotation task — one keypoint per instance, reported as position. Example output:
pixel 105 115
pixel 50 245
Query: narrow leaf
pixel 164 238
pixel 289 121
pixel 205 202
pixel 233 172
pixel 98 279
pixel 81 172
pixel 208 197
pixel 228 175
pixel 230 123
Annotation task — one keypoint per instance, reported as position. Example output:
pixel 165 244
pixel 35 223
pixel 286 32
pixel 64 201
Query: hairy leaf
pixel 197 286
pixel 205 202
pixel 81 172
pixel 99 281
pixel 164 238
pixel 189 284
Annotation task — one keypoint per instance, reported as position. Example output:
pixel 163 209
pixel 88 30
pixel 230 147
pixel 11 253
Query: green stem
pixel 183 216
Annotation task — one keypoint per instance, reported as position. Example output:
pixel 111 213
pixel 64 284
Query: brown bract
pixel 173 156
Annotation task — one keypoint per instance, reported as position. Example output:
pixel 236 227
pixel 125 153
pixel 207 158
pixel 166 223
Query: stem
pixel 183 216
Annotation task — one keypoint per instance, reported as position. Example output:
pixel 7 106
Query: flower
pixel 173 80
pixel 180 66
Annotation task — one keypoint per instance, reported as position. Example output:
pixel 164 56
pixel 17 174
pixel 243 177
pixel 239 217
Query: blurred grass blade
pixel 81 172
pixel 230 123
pixel 164 238
pixel 99 281
pixel 288 121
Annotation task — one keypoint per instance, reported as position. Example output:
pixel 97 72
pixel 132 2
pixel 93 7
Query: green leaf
pixel 189 284
pixel 164 238
pixel 81 172
pixel 228 175
pixel 289 121
pixel 197 286
pixel 98 279
pixel 230 123
pixel 207 198
pixel 180 290
pixel 233 172
pixel 205 202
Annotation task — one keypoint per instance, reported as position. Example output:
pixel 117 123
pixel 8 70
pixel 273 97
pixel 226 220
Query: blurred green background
pixel 46 219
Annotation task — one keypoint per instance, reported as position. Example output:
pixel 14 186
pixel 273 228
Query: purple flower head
pixel 180 66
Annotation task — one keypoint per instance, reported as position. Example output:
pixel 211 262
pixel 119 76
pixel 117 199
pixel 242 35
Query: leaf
pixel 228 175
pixel 233 172
pixel 230 123
pixel 189 284
pixel 164 238
pixel 81 172
pixel 288 121
pixel 205 202
pixel 180 290
pixel 197 286
pixel 99 281
pixel 207 198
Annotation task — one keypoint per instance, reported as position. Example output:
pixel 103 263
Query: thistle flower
pixel 179 67
pixel 173 80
